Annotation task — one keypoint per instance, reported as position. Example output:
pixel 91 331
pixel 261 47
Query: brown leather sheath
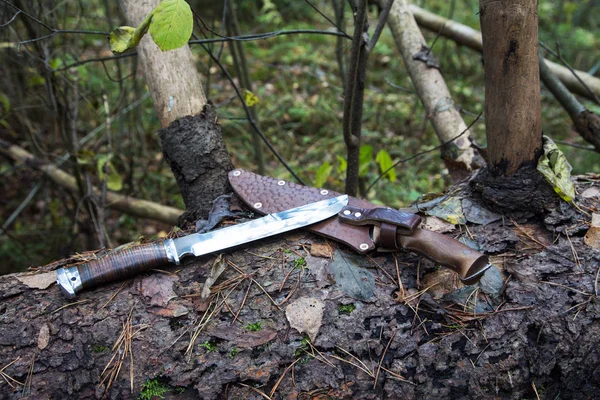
pixel 361 225
pixel 266 195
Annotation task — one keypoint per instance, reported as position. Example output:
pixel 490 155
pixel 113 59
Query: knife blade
pixel 128 262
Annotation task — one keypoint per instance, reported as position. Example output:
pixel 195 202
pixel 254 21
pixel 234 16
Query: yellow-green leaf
pixel 113 179
pixel 122 39
pixel 323 173
pixel 364 159
pixel 385 164
pixel 250 98
pixel 449 210
pixel 172 24
pixel 343 164
pixel 555 167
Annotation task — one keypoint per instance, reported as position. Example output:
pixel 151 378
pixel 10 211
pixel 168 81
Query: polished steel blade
pixel 199 244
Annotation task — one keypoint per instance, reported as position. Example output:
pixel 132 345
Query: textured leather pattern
pixel 266 195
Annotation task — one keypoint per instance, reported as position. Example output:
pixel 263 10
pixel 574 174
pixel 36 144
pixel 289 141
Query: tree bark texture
pixel 431 88
pixel 412 340
pixel 513 114
pixel 196 152
pixel 172 76
pixel 467 36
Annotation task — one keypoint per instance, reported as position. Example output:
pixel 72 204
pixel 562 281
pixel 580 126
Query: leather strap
pixel 387 236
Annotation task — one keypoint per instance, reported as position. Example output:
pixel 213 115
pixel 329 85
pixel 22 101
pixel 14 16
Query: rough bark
pixel 513 116
pixel 126 204
pixel 196 152
pixel 172 77
pixel 467 36
pixel 544 331
pixel 459 154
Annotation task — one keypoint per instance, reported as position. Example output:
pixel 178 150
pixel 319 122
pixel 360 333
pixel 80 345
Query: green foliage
pixel 208 346
pixel 154 388
pixel 107 170
pixel 99 348
pixel 300 263
pixel 254 326
pixel 385 164
pixel 346 309
pixel 170 24
pixel 234 351
pixel 322 174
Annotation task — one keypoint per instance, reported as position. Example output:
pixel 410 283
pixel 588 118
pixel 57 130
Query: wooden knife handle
pixel 122 264
pixel 448 252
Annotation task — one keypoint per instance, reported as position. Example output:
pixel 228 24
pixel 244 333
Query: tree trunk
pixel 194 147
pixel 512 90
pixel 459 154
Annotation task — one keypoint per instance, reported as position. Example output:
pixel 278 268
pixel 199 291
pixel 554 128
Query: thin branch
pixel 383 16
pixel 326 17
pixel 12 19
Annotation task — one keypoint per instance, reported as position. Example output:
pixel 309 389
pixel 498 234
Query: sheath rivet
pixel 324 192
pixel 347 212
pixel 281 183
pixel 357 214
pixel 237 173
pixel 363 246
pixel 257 205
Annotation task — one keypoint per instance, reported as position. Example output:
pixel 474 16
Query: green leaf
pixel 250 98
pixel 555 167
pixel 343 164
pixel 385 163
pixel 364 159
pixel 113 179
pixel 172 24
pixel 5 102
pixel 323 173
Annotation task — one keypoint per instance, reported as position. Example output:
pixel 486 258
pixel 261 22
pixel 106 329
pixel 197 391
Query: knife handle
pixel 114 266
pixel 466 262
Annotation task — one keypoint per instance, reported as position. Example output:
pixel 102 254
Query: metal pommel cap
pixel 69 281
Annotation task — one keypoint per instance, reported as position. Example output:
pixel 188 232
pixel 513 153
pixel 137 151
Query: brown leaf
pixel 437 225
pixel 306 315
pixel 38 281
pixel 321 250
pixel 44 337
pixel 592 237
pixel 170 311
pixel 158 288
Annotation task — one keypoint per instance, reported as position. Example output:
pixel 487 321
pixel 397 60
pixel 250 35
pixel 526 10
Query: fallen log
pixel 408 333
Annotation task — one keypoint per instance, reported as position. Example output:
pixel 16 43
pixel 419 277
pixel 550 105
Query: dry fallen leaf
pixel 321 250
pixel 38 281
pixel 44 337
pixel 217 269
pixel 437 225
pixel 592 192
pixel 592 237
pixel 159 289
pixel 305 315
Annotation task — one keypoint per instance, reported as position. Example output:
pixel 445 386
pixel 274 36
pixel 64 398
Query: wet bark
pixel 541 334
pixel 196 152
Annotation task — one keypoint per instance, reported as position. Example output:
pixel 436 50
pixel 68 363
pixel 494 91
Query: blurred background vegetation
pixel 46 101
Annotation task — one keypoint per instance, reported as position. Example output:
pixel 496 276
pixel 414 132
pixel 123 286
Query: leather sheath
pixel 266 195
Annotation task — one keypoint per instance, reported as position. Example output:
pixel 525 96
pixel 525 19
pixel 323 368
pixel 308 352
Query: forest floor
pixel 397 327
